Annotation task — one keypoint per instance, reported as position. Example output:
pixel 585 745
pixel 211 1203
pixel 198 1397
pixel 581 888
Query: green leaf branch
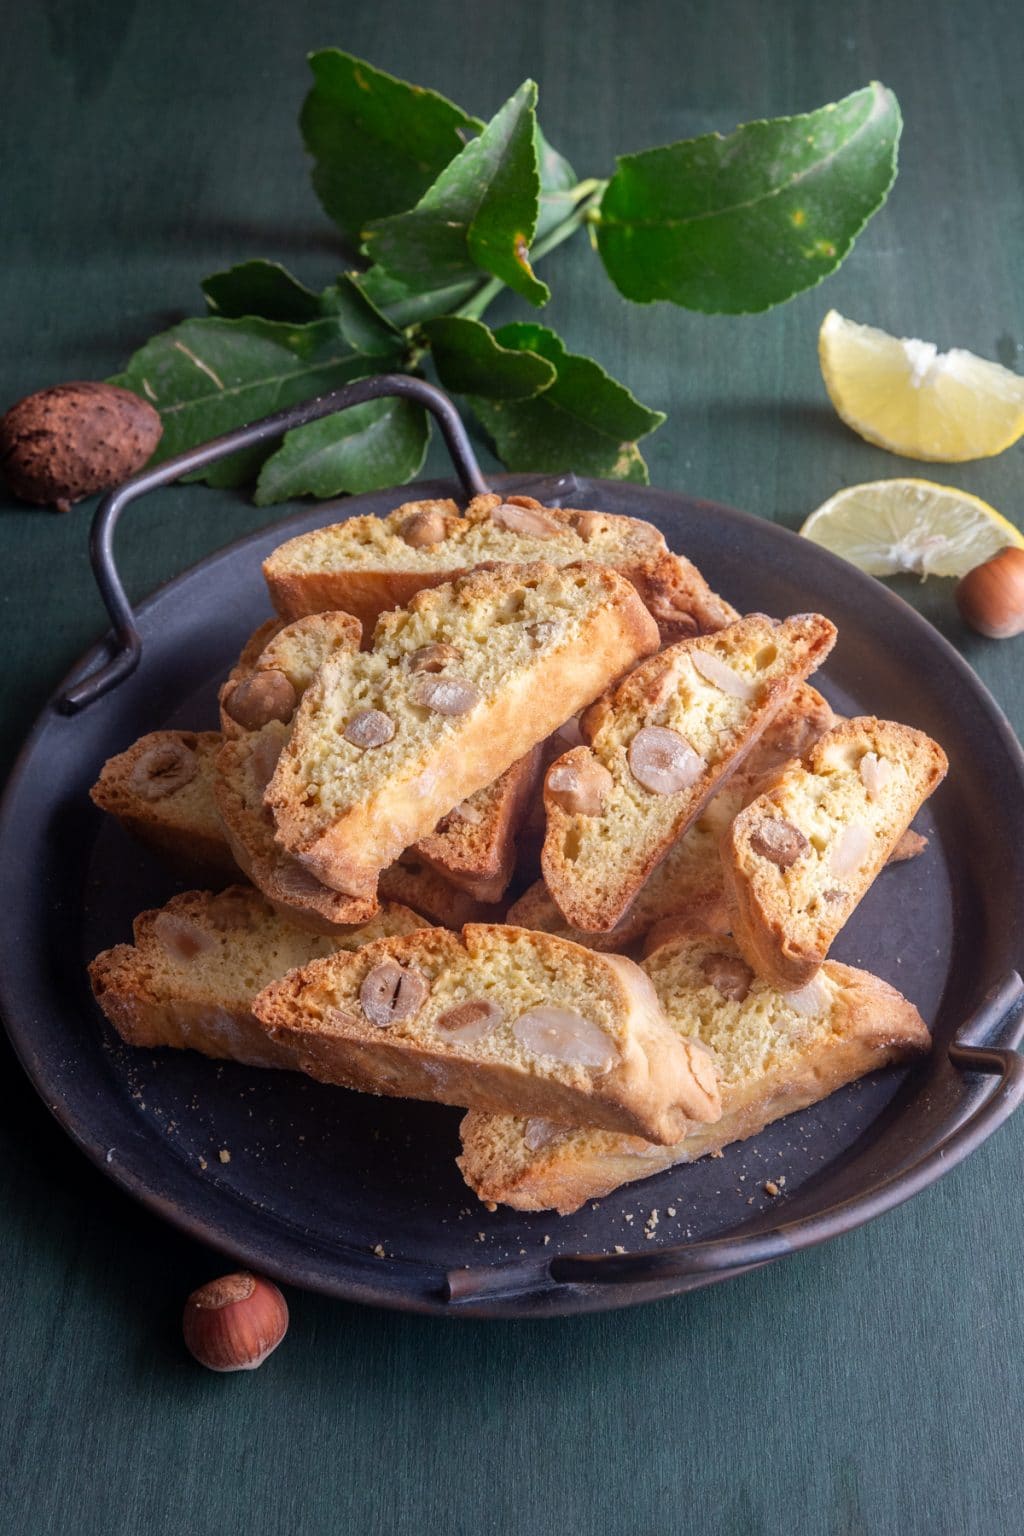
pixel 445 212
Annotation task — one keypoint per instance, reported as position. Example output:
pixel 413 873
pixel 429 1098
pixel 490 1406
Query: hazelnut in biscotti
pixel 498 1019
pixel 189 978
pixel 802 854
pixel 277 666
pixel 161 789
pixel 368 565
pixel 521 648
pixel 774 1054
pixel 661 744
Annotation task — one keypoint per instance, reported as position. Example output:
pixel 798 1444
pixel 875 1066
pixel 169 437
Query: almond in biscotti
pixel 802 854
pixel 496 1018
pixel 668 737
pixel 368 565
pixel 344 812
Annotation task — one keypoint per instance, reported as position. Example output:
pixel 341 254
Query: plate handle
pixel 128 642
pixel 722 1256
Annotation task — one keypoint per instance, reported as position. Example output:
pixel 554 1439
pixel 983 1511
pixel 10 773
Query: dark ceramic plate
pixel 360 1197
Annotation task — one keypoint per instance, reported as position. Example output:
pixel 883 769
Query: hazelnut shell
pixel 234 1323
pixel 991 597
pixel 62 444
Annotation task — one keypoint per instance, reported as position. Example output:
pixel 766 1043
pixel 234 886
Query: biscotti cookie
pixel 417 884
pixel 266 683
pixel 189 978
pixel 454 689
pixel 243 769
pixel 474 846
pixel 161 789
pixel 689 879
pixel 773 1054
pixel 368 565
pixel 660 745
pixel 497 1019
pixel 801 855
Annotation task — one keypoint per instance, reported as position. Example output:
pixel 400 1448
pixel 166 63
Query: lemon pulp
pixel 907 396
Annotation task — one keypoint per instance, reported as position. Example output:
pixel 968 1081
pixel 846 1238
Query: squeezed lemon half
pixel 888 526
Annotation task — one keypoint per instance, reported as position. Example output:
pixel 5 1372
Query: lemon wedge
pixel 888 526
pixel 907 396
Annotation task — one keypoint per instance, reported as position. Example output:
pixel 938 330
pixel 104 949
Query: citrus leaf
pixel 480 214
pixel 262 288
pixel 557 180
pixel 365 448
pixel 401 305
pixel 470 361
pixel 207 376
pixel 378 142
pixel 361 322
pixel 584 421
pixel 735 225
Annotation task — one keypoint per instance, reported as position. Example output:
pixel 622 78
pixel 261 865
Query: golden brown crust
pixel 365 567
pixel 367 594
pixel 183 823
pixel 378 805
pixel 416 884
pixel 652 1083
pixel 596 864
pixel 870 1026
pixel 679 599
pixel 474 846
pixel 785 918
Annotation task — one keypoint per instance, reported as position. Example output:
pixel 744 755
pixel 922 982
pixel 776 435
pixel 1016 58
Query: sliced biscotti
pixel 497 1019
pixel 368 565
pixel 773 1054
pixel 474 846
pixel 269 678
pixel 243 769
pixel 660 746
pixel 190 976
pixel 689 879
pixel 161 789
pixel 801 855
pixel 417 884
pixel 454 689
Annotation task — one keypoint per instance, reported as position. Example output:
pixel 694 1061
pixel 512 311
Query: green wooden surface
pixel 871 1386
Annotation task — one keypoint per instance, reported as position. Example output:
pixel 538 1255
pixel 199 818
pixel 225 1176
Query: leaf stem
pixel 587 195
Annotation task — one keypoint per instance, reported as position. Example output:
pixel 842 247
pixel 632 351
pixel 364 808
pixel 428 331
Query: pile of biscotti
pixel 453 709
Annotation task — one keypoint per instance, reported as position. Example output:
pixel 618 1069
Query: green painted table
pixel 870 1386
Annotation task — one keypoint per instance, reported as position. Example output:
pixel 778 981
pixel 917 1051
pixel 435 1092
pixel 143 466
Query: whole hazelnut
pixel 234 1323
pixel 991 597
pixel 64 443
